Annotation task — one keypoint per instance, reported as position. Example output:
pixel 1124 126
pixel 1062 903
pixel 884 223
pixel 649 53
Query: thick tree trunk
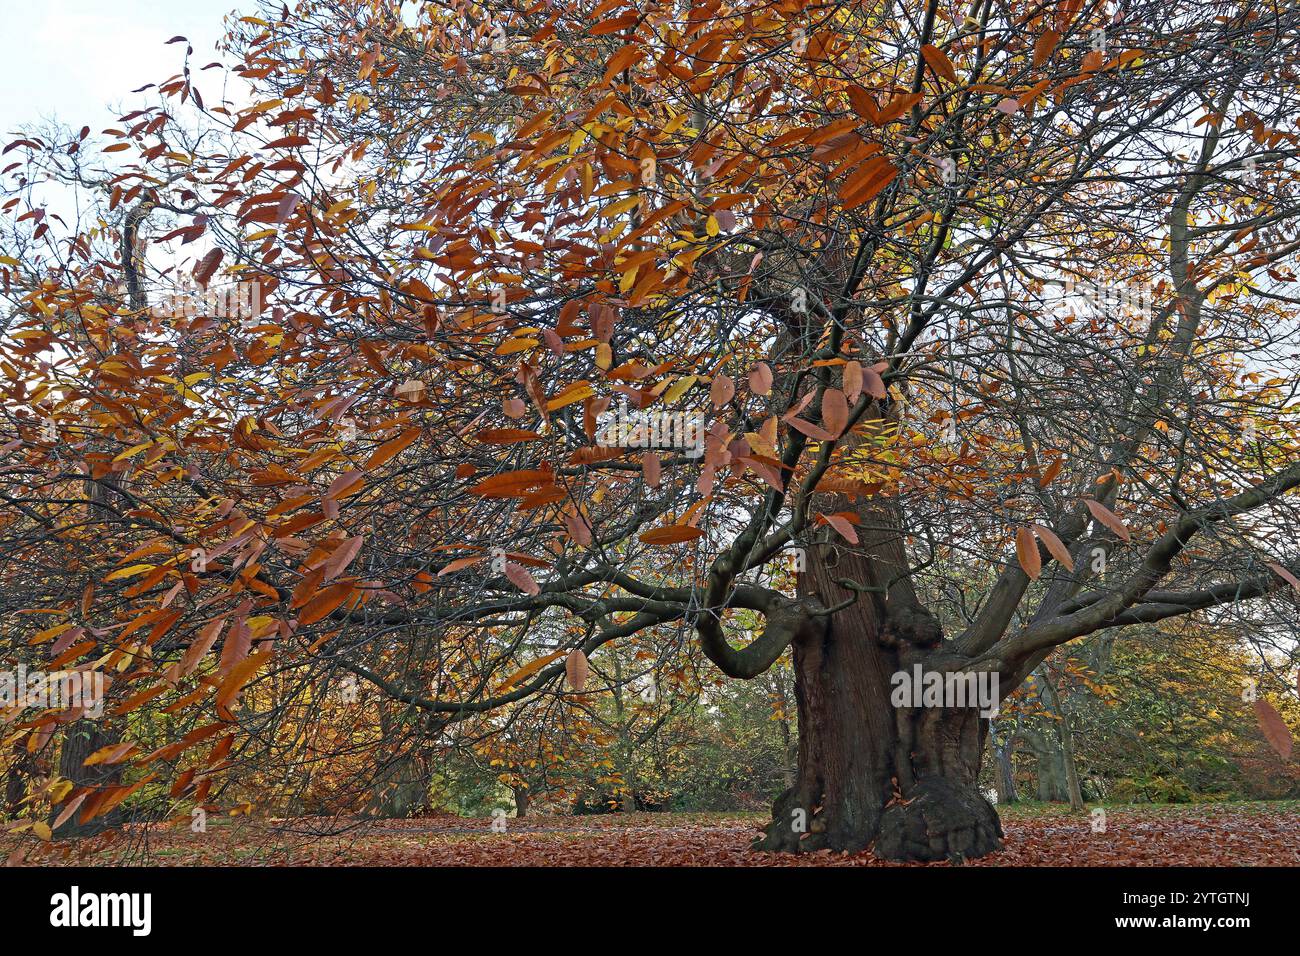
pixel 900 780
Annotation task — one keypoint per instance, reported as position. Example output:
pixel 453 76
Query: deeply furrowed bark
pixel 899 780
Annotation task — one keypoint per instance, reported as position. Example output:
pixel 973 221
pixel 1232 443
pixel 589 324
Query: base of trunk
pixel 941 821
pixel 802 823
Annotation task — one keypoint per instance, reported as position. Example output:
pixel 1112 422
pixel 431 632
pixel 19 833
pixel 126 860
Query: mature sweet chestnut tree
pixel 585 322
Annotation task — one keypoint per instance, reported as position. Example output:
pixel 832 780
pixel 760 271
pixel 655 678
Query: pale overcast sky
pixel 71 59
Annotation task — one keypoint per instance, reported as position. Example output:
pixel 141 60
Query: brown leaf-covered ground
pixel 1226 834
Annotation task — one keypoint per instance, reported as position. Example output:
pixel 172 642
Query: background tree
pixel 838 232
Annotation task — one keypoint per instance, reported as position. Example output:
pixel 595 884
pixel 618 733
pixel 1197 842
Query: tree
pixel 810 254
pixel 1175 719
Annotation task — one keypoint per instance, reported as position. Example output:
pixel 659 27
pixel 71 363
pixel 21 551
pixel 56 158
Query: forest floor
pixel 1209 834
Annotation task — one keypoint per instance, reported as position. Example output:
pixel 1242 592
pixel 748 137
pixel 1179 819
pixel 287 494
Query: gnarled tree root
pixel 941 820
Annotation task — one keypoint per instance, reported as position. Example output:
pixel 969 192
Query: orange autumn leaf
pixel 575 670
pixel 326 602
pixel 511 484
pixel 1027 553
pixel 229 689
pixel 1274 728
pixel 1108 518
pixel 1044 46
pixel 1055 546
pixel 528 670
pixel 390 449
pixel 938 61
pixel 672 534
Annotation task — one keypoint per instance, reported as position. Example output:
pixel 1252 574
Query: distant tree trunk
pixel 626 742
pixel 1065 737
pixel 400 786
pixel 81 739
pixel 522 800
pixel 901 778
pixel 1004 781
pixel 628 803
pixel 1049 766
pixel 21 771
pixel 789 746
pixel 1066 733
pixel 399 790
